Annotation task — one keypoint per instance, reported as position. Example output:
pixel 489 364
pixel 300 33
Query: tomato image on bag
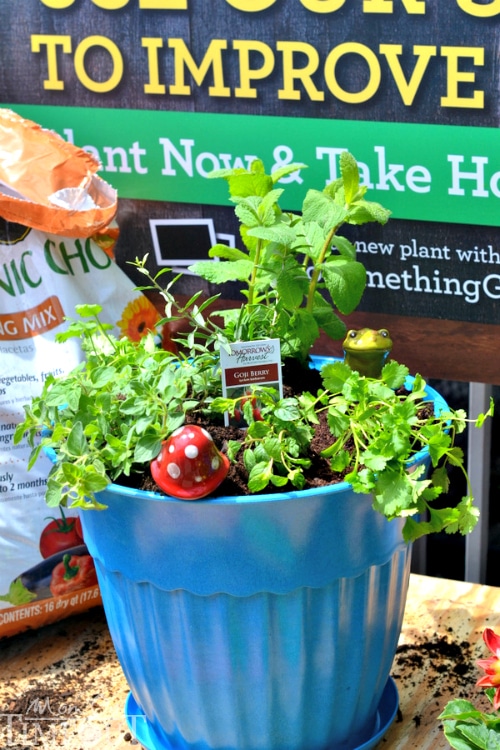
pixel 60 534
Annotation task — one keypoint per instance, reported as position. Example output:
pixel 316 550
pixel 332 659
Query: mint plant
pixel 297 269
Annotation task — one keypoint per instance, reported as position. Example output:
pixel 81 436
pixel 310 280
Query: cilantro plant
pixel 376 430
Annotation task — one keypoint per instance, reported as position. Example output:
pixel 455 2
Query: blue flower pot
pixel 265 622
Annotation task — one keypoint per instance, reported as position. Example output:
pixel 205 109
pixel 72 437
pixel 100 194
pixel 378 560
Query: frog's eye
pixel 352 334
pixel 384 332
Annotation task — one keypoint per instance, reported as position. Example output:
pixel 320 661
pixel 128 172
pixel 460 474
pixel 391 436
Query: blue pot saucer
pixel 151 739
pixel 386 713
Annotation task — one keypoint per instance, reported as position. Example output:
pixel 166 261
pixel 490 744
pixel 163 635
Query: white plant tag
pixel 248 364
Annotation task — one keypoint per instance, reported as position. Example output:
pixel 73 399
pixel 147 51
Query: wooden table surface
pixel 62 687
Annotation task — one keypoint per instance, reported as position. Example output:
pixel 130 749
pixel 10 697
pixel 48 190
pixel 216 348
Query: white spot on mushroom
pixel 215 463
pixel 171 448
pixel 207 434
pixel 174 471
pixel 198 479
pixel 177 431
pixel 191 451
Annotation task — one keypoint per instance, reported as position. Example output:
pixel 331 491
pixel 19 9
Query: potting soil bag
pixel 55 216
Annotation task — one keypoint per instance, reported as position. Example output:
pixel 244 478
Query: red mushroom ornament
pixel 189 465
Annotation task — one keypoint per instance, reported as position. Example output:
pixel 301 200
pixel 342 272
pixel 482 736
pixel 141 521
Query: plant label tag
pixel 250 363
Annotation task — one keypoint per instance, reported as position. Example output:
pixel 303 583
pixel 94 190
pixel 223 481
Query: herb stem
pixel 317 267
pixel 253 277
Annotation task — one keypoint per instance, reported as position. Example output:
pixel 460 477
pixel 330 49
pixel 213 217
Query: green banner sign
pixel 166 156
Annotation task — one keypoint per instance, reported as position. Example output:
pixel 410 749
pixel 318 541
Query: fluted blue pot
pixel 263 622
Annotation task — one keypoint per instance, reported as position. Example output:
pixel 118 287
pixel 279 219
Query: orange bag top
pixel 49 184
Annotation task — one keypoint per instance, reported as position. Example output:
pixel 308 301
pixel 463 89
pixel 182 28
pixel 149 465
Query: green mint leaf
pixel 313 240
pixel 303 326
pixel 363 212
pixel 216 174
pixel 278 481
pixel 345 281
pixel 326 319
pixel 258 430
pixel 221 404
pixel 260 476
pixel 268 208
pixel 287 410
pixel 296 477
pixel 291 286
pixel 319 207
pixel 350 176
pixel 220 273
pixel 249 459
pixel 281 172
pixel 345 248
pixel 250 184
pixel 247 211
pixel 225 252
pixel 281 234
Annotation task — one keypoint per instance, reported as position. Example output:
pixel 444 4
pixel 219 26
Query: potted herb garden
pixel 265 615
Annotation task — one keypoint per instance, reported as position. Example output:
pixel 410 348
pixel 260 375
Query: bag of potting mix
pixel 55 253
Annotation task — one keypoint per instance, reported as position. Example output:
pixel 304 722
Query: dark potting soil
pixel 236 482
pixel 319 472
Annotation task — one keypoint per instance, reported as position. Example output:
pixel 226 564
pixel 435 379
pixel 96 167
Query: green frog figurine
pixel 366 350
